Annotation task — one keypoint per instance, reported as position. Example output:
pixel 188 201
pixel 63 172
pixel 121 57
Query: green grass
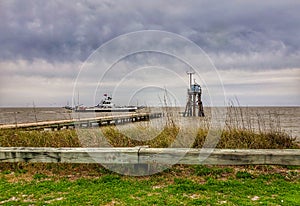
pixel 180 185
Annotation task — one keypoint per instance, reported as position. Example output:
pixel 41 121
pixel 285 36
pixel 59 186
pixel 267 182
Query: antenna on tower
pixel 190 73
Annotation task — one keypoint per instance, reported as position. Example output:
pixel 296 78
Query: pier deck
pixel 84 122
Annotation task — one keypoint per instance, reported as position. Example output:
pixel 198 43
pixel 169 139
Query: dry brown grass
pixel 241 131
pixel 20 138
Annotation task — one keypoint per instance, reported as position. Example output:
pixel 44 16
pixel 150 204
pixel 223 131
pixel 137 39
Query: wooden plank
pixel 219 156
pixel 142 155
pixel 70 155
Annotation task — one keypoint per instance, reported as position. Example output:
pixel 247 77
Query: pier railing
pixel 144 155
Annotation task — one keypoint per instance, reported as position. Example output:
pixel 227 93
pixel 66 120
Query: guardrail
pixel 144 155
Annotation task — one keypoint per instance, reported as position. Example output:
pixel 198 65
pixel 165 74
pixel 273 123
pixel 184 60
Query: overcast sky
pixel 254 45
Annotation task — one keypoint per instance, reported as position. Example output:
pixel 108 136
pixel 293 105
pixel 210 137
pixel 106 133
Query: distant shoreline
pixel 240 106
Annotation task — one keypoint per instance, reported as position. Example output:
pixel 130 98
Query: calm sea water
pixel 287 118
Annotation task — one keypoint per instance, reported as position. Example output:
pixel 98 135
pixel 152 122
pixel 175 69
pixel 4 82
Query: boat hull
pixel 107 110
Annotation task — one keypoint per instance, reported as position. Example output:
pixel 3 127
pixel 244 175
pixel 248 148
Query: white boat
pixel 106 105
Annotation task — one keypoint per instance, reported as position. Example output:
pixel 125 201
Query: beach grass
pixel 241 131
pixel 229 139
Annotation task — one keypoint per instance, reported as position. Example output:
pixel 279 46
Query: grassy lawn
pixel 46 184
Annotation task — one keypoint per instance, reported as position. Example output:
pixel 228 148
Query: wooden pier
pixel 84 122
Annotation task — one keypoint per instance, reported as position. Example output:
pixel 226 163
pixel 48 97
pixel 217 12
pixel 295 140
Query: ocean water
pixel 285 118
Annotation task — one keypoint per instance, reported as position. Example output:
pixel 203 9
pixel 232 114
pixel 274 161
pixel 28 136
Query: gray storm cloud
pixel 70 31
pixel 47 41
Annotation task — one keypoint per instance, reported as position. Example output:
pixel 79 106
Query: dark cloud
pixel 254 44
pixel 70 31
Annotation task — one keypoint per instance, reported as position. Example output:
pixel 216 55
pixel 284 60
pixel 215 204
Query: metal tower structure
pixel 194 106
